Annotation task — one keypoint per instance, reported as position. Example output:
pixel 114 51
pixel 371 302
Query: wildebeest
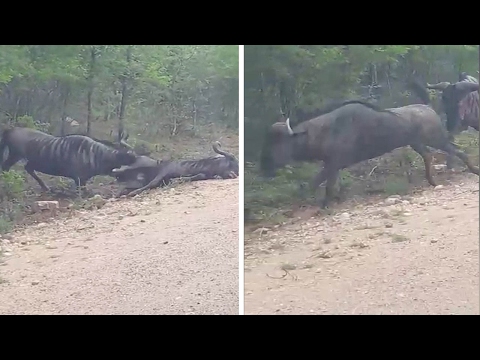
pixel 147 173
pixel 75 156
pixel 460 102
pixel 353 132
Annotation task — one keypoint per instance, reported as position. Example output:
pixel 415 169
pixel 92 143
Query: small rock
pixel 440 167
pixel 96 201
pixel 7 254
pixel 433 241
pixel 261 231
pixel 45 205
pixel 438 187
pixel 35 282
pixel 405 202
pixel 120 217
pixel 389 225
pixel 345 216
pixel 392 201
pixel 407 214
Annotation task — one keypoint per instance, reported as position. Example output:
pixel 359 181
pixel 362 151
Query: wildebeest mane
pixel 303 116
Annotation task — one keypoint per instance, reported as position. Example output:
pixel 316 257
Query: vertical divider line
pixel 241 177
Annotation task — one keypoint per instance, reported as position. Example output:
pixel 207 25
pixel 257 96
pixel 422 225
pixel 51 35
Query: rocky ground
pixel 401 255
pixel 171 251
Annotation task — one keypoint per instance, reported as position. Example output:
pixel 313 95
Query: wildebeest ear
pixel 466 86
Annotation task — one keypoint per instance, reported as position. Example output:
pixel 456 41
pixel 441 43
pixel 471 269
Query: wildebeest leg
pixel 450 159
pixel 152 184
pixel 30 169
pixel 197 177
pixel 449 148
pixel 427 159
pixel 330 175
pixel 11 160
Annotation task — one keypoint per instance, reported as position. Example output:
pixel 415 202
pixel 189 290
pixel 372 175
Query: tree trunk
pixel 64 110
pixel 123 102
pixel 91 86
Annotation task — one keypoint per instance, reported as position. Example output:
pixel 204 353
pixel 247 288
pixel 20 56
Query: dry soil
pixel 409 255
pixel 171 251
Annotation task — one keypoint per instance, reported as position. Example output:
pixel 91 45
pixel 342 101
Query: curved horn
pixel 125 144
pixel 440 86
pixel 290 131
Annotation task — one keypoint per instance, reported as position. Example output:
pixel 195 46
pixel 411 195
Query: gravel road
pixel 172 251
pixel 409 255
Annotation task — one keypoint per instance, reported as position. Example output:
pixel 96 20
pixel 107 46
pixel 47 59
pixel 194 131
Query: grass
pixel 398 173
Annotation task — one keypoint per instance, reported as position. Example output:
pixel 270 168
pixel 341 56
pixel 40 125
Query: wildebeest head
pixel 122 158
pixel 452 94
pixel 138 173
pixel 278 148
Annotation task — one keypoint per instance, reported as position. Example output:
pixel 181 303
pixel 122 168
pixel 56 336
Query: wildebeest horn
pixel 439 86
pixel 125 144
pixel 290 131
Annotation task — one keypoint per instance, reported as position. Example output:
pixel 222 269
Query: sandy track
pixel 419 256
pixel 166 252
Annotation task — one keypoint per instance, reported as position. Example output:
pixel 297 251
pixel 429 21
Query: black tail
pixel 3 145
pixel 216 146
pixel 421 91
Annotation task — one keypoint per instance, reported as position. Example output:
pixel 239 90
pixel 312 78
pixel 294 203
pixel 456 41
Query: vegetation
pixel 284 78
pixel 173 100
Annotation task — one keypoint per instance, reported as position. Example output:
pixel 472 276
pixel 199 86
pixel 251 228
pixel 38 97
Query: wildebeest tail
pixel 421 91
pixel 3 144
pixel 216 146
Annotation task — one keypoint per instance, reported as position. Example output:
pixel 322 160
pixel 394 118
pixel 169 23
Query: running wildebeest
pixel 75 156
pixel 353 132
pixel 147 173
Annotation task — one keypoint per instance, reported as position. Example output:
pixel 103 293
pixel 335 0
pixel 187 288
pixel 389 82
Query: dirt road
pixel 413 255
pixel 173 251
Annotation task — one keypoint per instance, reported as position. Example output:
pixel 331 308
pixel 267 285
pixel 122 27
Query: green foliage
pixel 165 86
pixel 25 121
pixel 12 184
pixel 282 78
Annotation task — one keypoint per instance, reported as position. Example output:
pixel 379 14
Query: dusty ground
pixel 417 256
pixel 172 251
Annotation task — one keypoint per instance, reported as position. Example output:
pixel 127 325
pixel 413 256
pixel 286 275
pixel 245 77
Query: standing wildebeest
pixel 353 132
pixel 147 173
pixel 75 156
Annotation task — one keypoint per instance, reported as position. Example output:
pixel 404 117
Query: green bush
pixel 25 121
pixel 12 185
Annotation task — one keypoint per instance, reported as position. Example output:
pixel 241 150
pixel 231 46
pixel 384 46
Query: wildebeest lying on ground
pixel 147 173
pixel 353 132
pixel 75 156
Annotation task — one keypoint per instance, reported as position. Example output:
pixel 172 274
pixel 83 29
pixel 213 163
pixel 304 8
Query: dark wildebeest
pixel 147 173
pixel 353 132
pixel 75 156
pixel 460 102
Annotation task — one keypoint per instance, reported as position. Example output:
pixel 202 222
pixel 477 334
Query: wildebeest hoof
pixel 324 204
